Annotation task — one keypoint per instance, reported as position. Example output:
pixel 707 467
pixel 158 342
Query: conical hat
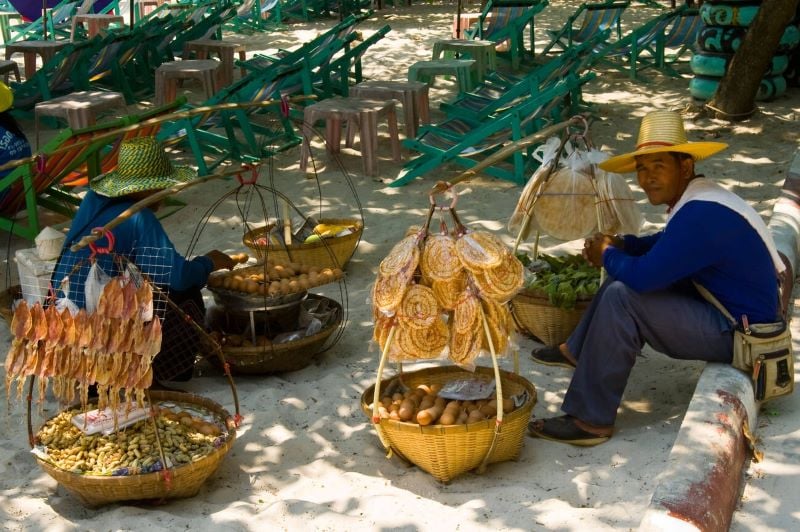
pixel 143 165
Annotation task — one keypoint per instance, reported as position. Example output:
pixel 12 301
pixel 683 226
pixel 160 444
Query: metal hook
pixel 101 232
pixel 253 173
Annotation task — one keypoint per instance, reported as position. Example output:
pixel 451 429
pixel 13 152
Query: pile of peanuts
pixel 424 406
pixel 274 279
pixel 184 439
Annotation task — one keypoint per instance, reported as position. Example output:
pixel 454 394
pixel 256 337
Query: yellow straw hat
pixel 143 165
pixel 6 97
pixel 661 131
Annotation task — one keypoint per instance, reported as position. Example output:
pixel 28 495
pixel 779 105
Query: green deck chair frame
pixel 506 20
pixel 438 146
pixel 595 18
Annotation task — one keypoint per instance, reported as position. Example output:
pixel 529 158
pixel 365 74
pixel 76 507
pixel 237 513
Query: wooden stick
pixel 501 154
pixel 98 233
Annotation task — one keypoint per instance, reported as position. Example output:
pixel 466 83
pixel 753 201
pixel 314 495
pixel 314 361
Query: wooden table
pixel 94 23
pixel 351 111
pixel 413 95
pixel 168 74
pixel 224 50
pixel 30 49
pixel 79 109
pixel 483 52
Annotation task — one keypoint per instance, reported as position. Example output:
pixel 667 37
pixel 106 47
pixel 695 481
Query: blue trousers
pixel 615 327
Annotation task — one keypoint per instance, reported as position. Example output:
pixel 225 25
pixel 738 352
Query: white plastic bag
pixel 96 281
pixel 566 208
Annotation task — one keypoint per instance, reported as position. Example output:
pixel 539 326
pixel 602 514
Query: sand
pixel 306 457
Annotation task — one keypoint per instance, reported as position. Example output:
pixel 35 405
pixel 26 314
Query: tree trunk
pixel 736 95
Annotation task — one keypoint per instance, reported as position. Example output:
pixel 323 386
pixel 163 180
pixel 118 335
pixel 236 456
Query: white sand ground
pixel 307 458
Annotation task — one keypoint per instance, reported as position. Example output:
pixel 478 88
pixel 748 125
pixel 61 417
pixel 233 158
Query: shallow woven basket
pixel 184 481
pixel 446 451
pixel 536 316
pixel 328 253
pixel 277 358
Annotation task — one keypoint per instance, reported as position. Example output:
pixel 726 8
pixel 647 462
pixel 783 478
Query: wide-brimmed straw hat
pixel 6 97
pixel 661 131
pixel 143 165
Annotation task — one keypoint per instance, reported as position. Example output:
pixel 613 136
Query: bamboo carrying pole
pixel 149 122
pixel 99 232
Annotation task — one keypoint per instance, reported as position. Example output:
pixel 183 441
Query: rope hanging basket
pixel 326 253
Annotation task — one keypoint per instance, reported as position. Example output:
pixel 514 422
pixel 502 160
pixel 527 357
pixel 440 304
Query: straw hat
pixel 6 97
pixel 143 165
pixel 661 131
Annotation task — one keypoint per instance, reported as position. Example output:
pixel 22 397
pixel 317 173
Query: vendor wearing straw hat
pixel 143 169
pixel 712 237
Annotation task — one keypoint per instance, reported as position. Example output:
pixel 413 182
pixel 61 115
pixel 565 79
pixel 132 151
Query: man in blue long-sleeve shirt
pixel 712 238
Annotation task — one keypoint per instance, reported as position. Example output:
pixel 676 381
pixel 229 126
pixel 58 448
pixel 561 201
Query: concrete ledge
pixel 699 489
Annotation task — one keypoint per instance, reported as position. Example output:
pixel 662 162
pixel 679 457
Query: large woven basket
pixel 446 451
pixel 326 253
pixel 183 481
pixel 537 317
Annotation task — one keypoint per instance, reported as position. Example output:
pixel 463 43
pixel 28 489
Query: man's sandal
pixel 551 356
pixel 564 429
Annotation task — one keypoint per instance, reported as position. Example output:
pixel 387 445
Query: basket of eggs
pixel 266 321
pixel 330 245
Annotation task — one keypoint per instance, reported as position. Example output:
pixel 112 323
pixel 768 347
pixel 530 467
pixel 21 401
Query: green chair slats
pixel 335 77
pixel 59 15
pixel 595 18
pixel 256 15
pixel 644 47
pixel 461 141
pixel 506 20
pixel 499 91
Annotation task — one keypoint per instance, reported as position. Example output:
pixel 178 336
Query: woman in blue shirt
pixel 143 169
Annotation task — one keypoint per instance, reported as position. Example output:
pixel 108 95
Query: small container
pixel 49 243
pixel 34 274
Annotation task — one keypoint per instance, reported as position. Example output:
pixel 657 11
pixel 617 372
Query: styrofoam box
pixel 34 274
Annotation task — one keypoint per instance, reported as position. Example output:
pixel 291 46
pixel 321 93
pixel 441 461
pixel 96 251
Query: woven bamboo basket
pixel 446 451
pixel 278 358
pixel 183 481
pixel 327 253
pixel 536 316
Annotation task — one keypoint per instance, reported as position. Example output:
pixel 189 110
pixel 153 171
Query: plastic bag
pixel 566 208
pixel 96 281
pixel 619 212
pixel 546 155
